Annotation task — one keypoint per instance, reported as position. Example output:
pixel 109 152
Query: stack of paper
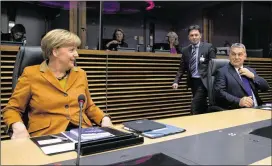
pixel 87 134
pixel 49 144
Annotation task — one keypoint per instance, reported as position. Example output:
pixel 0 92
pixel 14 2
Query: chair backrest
pixel 27 56
pixel 214 65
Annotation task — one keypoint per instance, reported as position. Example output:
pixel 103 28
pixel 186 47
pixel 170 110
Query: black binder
pixel 121 139
pixel 143 125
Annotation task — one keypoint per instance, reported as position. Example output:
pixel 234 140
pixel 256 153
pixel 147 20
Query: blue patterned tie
pixel 193 61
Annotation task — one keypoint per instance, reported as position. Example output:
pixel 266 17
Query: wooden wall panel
pixel 141 87
pixel 8 56
pixel 131 86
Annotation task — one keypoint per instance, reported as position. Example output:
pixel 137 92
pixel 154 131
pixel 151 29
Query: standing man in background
pixel 194 61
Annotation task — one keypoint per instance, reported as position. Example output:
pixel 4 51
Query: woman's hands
pixel 19 131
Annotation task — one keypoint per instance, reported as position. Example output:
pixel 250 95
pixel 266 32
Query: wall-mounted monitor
pixel 255 53
pixel 222 50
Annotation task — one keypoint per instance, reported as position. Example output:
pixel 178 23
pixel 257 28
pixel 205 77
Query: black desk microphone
pixel 81 101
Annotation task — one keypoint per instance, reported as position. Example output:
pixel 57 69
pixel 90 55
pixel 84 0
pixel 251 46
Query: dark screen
pixel 263 132
pixel 158 159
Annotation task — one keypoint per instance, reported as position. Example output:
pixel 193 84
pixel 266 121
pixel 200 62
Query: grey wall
pixel 185 21
pixel 4 21
pixel 224 27
pixel 132 25
pixel 60 20
pixel 34 24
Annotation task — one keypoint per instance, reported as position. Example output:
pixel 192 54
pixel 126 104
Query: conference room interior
pixel 136 84
pixel 220 21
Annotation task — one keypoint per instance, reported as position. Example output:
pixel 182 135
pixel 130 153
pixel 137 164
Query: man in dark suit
pixel 236 85
pixel 194 60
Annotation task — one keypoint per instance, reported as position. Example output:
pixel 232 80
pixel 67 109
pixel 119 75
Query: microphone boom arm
pixel 81 100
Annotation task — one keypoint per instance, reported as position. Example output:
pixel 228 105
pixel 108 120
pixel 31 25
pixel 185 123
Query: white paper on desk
pixel 58 148
pixel 86 137
pixel 266 108
pixel 96 136
pixel 49 141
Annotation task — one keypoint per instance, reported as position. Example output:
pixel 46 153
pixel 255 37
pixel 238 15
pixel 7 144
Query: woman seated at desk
pixel 118 40
pixel 51 89
pixel 172 39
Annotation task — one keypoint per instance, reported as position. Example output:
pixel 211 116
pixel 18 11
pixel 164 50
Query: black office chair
pixel 214 65
pixel 27 56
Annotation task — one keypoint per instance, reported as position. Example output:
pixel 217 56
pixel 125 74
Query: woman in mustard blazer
pixel 52 89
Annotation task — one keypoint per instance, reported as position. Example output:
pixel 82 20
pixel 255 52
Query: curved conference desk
pixel 220 138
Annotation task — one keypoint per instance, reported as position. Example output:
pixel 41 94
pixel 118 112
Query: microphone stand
pixel 79 134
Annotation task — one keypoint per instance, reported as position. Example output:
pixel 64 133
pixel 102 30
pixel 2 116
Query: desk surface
pixel 25 152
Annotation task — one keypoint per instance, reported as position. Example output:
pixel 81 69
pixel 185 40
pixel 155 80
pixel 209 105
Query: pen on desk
pixel 131 130
pixel 126 128
pixel 59 137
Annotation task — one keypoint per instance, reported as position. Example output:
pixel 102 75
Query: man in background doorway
pixel 194 61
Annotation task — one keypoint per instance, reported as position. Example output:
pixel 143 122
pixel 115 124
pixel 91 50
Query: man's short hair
pixel 238 45
pixel 194 27
pixel 18 28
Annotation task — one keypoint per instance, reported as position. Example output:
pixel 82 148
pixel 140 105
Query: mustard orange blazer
pixel 52 107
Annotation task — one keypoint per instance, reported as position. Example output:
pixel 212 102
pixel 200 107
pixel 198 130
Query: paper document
pixel 91 133
pixel 49 141
pixel 58 148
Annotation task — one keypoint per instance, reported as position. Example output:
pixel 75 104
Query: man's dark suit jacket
pixel 208 52
pixel 229 89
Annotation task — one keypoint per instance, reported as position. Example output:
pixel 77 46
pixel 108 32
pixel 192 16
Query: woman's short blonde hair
pixel 58 38
pixel 174 35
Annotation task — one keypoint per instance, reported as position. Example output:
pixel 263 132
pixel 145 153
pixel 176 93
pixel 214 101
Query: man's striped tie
pixel 193 61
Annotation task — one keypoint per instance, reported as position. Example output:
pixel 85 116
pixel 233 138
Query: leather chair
pixel 214 65
pixel 27 56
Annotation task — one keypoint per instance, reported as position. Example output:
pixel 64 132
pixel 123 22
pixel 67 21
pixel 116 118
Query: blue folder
pixel 168 130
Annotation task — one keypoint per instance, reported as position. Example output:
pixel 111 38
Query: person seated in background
pixel 236 85
pixel 17 34
pixel 51 89
pixel 118 40
pixel 227 44
pixel 172 39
